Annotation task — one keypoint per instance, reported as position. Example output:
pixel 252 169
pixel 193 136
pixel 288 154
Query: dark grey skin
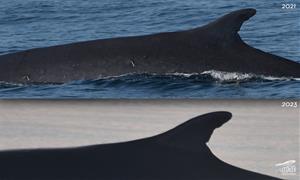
pixel 178 154
pixel 215 46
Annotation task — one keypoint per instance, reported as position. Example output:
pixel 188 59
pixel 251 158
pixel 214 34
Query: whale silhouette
pixel 215 46
pixel 178 154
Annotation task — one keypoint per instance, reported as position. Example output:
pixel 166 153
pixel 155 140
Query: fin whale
pixel 178 154
pixel 215 46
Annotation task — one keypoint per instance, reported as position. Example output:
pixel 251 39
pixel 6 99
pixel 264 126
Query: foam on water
pixel 237 76
pixel 209 84
pixel 229 76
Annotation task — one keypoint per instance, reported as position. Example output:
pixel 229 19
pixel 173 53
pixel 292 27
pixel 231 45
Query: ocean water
pixel 39 23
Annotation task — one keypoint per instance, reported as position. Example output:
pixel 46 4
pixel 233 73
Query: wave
pixel 211 75
pixel 206 76
pixel 237 76
pixel 4 84
pixel 209 84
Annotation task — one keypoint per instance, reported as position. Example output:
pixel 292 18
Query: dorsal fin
pixel 230 23
pixel 196 131
pixel 234 20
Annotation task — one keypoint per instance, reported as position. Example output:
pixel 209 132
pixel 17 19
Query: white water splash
pixel 218 75
pixel 236 76
pixel 183 74
pixel 229 76
pixel 11 83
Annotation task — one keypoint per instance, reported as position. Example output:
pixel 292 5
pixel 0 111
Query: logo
pixel 287 167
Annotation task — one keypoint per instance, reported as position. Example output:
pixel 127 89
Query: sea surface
pixel 40 23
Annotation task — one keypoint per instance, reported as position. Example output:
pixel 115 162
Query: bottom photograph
pixel 149 139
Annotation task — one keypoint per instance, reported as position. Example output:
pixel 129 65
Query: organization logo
pixel 287 167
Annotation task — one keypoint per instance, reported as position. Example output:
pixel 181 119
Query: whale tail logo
pixel 286 163
pixel 287 167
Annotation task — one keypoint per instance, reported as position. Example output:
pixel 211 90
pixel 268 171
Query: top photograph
pixel 149 49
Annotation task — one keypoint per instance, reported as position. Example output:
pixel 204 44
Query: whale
pixel 214 46
pixel 178 154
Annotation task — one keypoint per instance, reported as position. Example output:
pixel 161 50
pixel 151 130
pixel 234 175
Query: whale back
pixel 215 46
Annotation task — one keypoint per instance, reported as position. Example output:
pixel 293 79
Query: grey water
pixel 40 23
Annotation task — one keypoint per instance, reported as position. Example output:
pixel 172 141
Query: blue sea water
pixel 39 23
